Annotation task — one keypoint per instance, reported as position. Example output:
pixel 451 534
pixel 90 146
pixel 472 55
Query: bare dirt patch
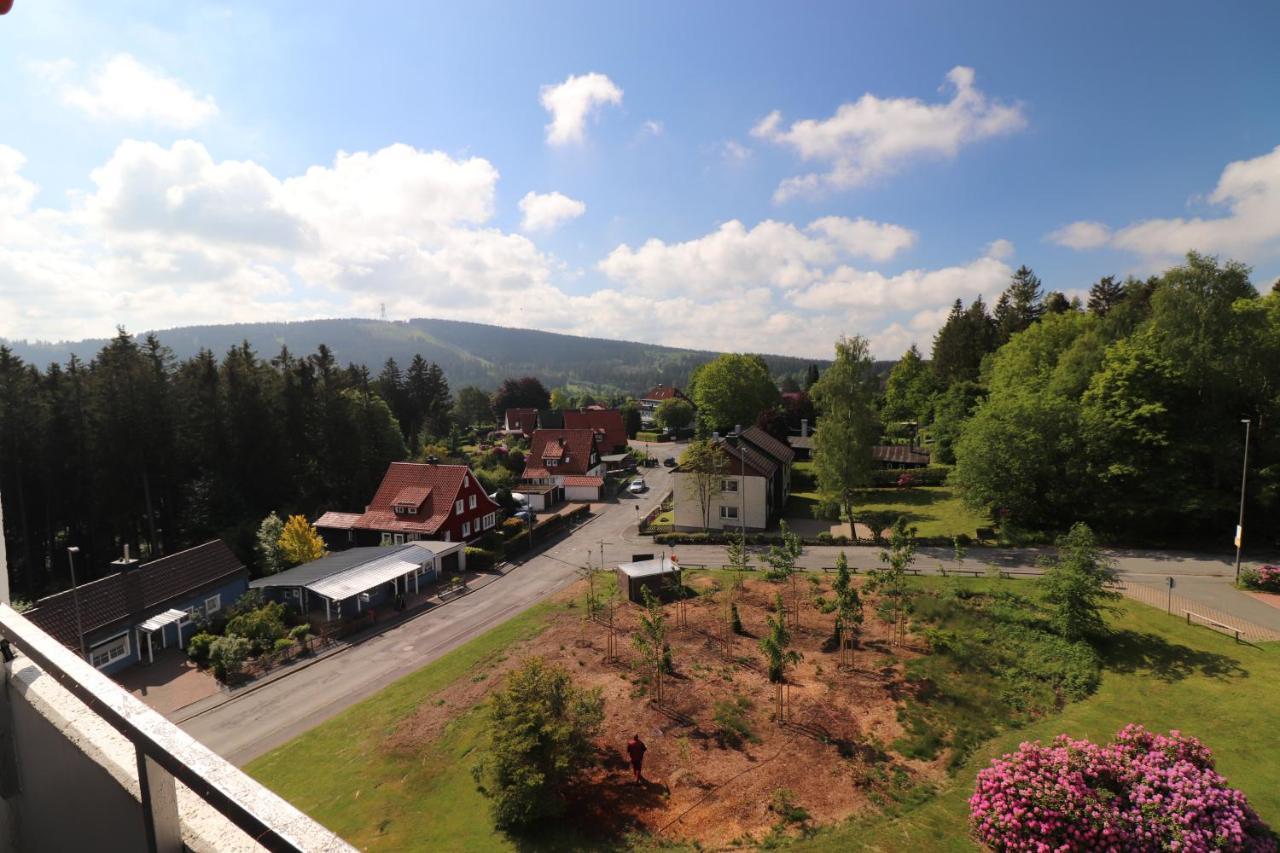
pixel 831 756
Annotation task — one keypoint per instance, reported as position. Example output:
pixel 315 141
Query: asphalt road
pixel 255 722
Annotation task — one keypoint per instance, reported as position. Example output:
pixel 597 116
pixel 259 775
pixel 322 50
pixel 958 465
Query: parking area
pixel 171 683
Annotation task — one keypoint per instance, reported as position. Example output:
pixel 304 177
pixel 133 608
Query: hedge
pixel 645 435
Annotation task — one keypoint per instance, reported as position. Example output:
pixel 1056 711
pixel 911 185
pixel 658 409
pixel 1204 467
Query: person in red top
pixel 635 751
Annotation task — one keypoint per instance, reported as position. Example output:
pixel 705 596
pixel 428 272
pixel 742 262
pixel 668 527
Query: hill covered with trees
pixel 468 353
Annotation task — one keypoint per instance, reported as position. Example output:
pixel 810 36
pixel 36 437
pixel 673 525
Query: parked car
pixel 669 462
pixel 522 514
pixel 637 486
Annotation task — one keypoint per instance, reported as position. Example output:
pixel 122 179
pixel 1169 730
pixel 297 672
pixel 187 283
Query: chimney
pixel 126 562
pixel 715 435
pixel 737 429
pixel 804 427
pixel 432 460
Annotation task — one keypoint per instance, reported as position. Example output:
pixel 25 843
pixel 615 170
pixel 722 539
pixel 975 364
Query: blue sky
pixel 164 164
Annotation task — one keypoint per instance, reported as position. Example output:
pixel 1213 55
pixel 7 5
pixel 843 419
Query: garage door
pixel 449 564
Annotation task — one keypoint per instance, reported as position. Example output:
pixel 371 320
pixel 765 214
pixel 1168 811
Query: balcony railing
pixel 165 757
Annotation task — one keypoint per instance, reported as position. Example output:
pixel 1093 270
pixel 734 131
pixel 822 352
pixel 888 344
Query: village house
pixel 607 423
pixel 129 616
pixel 519 422
pixel 749 493
pixel 416 501
pixel 568 459
pixel 649 402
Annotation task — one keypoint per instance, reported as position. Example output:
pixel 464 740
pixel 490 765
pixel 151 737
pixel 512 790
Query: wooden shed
pixel 660 575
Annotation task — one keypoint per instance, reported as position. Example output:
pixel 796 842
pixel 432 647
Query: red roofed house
pixel 520 422
pixel 649 402
pixel 416 501
pixel 607 423
pixel 568 458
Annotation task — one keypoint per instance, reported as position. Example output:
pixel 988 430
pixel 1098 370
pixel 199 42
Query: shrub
pixel 299 633
pixel 824 538
pixel 735 621
pixel 479 558
pixel 732 725
pixel 198 647
pixel 1143 791
pixel 784 806
pixel 283 644
pixel 261 627
pixel 227 655
pixel 1265 579
pixel 933 475
pixel 542 729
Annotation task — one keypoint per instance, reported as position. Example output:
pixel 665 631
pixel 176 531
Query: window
pixel 413 537
pixel 457 508
pixel 728 512
pixel 471 504
pixel 398 538
pixel 399 510
pixel 386 539
pixel 213 604
pixel 466 529
pixel 490 520
pixel 413 510
pixel 113 649
pixel 728 485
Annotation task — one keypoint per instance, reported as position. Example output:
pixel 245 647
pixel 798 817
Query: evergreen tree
pixel 1105 294
pixel 810 376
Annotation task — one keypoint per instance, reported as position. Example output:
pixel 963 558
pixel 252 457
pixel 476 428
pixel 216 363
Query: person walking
pixel 635 751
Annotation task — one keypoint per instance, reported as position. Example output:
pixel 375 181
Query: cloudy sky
pixel 722 175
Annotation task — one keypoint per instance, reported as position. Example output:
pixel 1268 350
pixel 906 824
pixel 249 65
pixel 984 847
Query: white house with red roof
pixel 657 394
pixel 521 422
pixel 416 501
pixel 569 458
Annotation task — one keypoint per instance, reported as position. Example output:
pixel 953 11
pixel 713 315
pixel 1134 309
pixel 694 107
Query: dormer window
pixel 413 510
pixel 399 510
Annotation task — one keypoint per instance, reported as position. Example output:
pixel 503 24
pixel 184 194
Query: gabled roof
pixel 743 451
pixel 524 421
pixel 573 457
pixel 135 593
pixel 607 422
pixel 664 392
pixel 437 487
pixel 580 480
pixel 900 454
pixel 770 445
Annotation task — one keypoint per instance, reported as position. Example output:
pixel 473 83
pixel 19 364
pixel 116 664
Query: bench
pixel 1213 623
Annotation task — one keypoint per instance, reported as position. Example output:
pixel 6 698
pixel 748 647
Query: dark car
pixel 669 462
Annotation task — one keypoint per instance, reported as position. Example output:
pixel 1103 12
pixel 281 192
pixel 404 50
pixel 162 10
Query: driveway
pixel 254 722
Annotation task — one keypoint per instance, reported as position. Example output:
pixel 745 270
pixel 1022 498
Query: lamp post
pixel 1244 473
pixel 72 550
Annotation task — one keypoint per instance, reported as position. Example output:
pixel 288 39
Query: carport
pixel 158 623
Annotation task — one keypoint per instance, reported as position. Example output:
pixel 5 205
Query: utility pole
pixel 1244 474
pixel 75 599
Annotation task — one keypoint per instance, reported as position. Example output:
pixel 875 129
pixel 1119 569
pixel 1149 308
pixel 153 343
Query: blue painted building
pixel 127 617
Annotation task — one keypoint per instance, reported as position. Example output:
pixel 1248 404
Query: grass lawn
pixel 1174 677
pixel 1158 672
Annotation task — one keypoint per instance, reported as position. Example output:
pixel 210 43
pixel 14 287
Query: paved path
pixel 255 722
pixel 252 723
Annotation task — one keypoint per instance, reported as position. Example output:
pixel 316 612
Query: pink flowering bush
pixel 1142 791
pixel 1266 579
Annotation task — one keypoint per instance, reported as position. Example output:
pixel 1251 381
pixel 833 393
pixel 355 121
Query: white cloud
pixel 572 102
pixel 772 253
pixel 874 136
pixel 125 89
pixel 1248 231
pixel 653 127
pixel 165 236
pixel 545 211
pixel 1081 235
pixel 735 153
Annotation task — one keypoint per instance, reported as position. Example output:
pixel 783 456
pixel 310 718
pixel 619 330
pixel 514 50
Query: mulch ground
pixel 829 756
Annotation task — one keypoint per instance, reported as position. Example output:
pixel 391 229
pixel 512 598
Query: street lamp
pixel 72 550
pixel 1244 473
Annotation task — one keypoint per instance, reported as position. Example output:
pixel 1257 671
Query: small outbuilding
pixel 346 583
pixel 661 576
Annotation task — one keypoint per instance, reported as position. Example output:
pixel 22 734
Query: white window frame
pixel 398 538
pixel 413 510
pixel 466 529
pixel 471 502
pixel 728 485
pixel 728 512
pixel 213 603
pixel 113 649
pixel 490 520
pixel 399 510
pixel 457 507
pixel 386 538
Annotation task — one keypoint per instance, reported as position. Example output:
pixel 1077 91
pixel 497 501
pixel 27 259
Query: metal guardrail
pixel 166 754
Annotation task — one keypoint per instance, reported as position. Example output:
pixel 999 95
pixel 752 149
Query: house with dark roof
pixel 649 402
pixel 128 616
pixel 748 492
pixel 900 456
pixel 608 423
pixel 416 501
pixel 344 584
pixel 521 422
pixel 567 458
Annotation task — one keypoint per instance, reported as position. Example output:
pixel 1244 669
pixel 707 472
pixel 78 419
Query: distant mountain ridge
pixel 469 353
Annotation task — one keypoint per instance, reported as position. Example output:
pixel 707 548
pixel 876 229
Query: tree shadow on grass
pixel 1133 652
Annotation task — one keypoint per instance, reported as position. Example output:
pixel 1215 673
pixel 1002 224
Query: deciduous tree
pixel 845 396
pixel 299 541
